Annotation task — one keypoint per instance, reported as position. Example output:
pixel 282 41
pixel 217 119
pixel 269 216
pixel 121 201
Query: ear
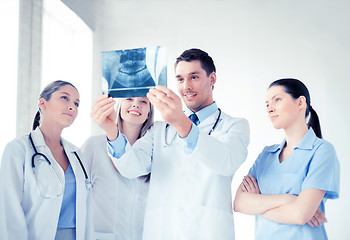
pixel 302 102
pixel 212 78
pixel 42 103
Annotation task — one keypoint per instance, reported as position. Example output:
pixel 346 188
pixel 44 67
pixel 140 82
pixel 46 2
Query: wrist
pixel 183 126
pixel 112 134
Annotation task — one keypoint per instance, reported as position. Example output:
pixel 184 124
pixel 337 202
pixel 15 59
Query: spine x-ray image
pixel 132 72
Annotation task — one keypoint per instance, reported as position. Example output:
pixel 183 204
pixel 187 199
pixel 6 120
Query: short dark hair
pixel 296 88
pixel 194 54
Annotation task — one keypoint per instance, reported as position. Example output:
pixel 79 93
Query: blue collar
pixel 306 143
pixel 204 113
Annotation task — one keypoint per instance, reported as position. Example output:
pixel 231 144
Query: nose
pixel 187 84
pixel 71 107
pixel 134 104
pixel 270 109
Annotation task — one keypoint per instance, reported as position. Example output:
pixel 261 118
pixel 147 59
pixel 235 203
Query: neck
pixel 210 102
pixel 131 131
pixel 295 134
pixel 52 135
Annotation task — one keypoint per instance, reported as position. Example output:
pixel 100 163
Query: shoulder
pixel 15 150
pixel 97 139
pixel 323 148
pixel 234 120
pixel 158 126
pixel 17 143
pixel 271 148
pixel 234 123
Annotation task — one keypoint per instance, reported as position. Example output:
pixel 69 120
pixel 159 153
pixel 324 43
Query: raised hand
pixel 170 107
pixel 103 114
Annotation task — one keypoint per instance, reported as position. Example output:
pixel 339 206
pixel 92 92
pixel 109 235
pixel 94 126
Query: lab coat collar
pixel 306 143
pixel 39 141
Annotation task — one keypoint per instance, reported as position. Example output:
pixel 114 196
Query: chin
pixel 276 126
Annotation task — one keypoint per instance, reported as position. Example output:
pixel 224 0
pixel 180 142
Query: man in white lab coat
pixel 191 162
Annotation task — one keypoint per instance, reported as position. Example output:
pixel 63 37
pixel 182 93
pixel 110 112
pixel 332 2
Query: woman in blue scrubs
pixel 289 183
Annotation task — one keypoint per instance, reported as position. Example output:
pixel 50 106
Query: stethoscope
pixel 211 130
pixel 87 181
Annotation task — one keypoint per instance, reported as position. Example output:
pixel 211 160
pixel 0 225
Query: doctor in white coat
pixel 192 163
pixel 39 200
pixel 118 203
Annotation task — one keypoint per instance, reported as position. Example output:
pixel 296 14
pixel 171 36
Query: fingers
pixel 102 108
pixel 99 102
pixel 311 224
pixel 246 183
pixel 157 102
pixel 167 91
pixel 168 97
pixel 255 183
pixel 318 219
pixel 242 187
pixel 250 184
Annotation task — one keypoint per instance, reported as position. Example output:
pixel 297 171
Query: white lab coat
pixel 25 214
pixel 190 194
pixel 118 203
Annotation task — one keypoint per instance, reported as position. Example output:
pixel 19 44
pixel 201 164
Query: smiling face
pixel 62 106
pixel 194 85
pixel 135 110
pixel 283 110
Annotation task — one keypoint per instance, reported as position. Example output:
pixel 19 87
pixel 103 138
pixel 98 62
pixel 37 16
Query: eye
pixel 180 79
pixel 277 100
pixel 76 104
pixel 128 99
pixel 65 98
pixel 194 77
pixel 144 102
pixel 267 105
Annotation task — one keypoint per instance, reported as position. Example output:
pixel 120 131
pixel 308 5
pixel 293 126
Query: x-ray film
pixel 132 72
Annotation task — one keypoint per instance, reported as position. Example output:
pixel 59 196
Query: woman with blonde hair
pixel 118 203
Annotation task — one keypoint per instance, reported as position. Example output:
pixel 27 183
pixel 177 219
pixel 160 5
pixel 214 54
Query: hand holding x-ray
pixel 103 114
pixel 170 106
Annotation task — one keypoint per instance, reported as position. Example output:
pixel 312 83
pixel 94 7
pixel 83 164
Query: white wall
pixel 252 44
pixel 9 13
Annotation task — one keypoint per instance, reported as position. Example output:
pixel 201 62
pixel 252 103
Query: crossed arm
pixel 282 208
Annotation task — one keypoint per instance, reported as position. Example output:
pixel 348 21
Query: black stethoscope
pixel 87 181
pixel 211 130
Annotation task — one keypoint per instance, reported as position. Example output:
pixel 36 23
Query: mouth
pixel 273 117
pixel 189 96
pixel 68 114
pixel 134 112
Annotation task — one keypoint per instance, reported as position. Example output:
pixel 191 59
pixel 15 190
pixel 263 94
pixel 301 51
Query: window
pixel 67 55
pixel 9 15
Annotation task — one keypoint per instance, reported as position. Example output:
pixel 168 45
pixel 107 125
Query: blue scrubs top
pixel 67 217
pixel 312 165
